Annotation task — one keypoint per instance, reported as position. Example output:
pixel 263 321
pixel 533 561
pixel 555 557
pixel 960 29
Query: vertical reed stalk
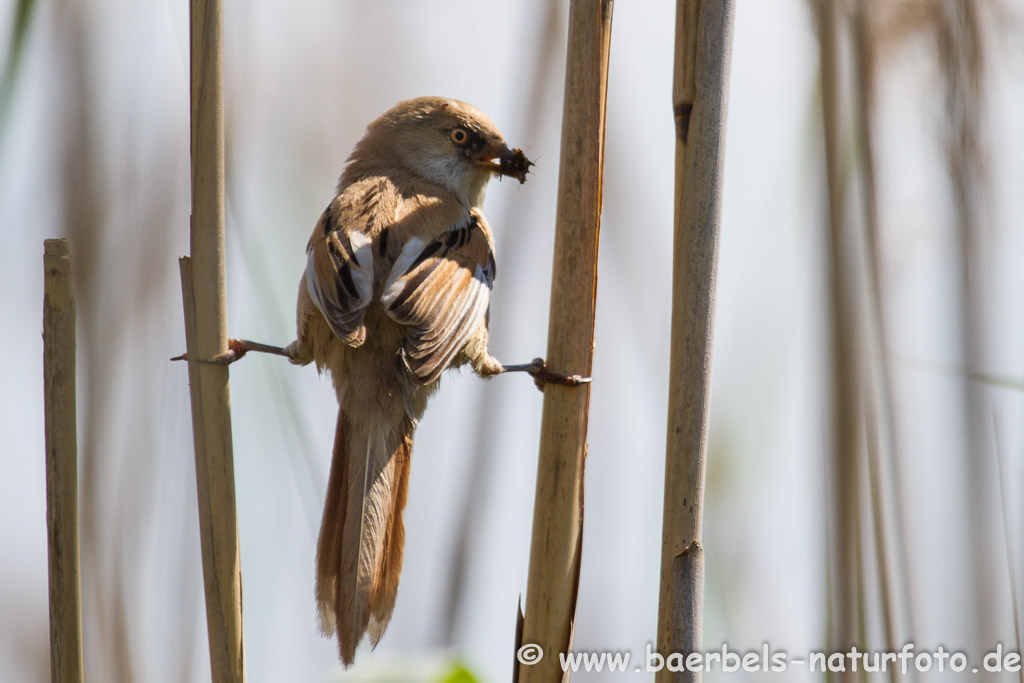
pixel 881 418
pixel 558 507
pixel 61 464
pixel 204 295
pixel 700 99
pixel 962 49
pixel 847 403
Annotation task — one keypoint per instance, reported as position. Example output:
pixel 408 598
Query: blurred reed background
pixel 867 452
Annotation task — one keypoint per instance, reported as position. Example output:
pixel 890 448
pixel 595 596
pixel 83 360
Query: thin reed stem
pixel 700 100
pixel 59 352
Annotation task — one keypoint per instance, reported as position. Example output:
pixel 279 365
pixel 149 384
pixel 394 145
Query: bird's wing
pixel 441 288
pixel 339 265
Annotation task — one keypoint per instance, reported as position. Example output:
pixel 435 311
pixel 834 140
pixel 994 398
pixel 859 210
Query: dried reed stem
pixel 699 99
pixel 558 507
pixel 880 417
pixel 687 601
pixel 847 403
pixel 203 291
pixel 61 464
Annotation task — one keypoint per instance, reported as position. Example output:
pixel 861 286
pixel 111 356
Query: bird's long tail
pixel 362 537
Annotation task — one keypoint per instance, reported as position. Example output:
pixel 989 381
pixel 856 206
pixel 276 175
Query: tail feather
pixel 362 536
pixel 328 551
pixel 390 567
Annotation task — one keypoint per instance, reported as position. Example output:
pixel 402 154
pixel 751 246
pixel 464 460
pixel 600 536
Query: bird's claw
pixel 236 349
pixel 543 375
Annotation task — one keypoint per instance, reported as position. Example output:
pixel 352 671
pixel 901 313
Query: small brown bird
pixel 396 289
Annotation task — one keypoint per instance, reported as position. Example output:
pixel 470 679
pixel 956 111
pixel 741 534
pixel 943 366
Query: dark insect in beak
pixel 506 162
pixel 515 164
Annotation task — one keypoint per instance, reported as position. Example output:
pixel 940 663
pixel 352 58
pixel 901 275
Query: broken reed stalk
pixel 203 292
pixel 558 506
pixel 699 98
pixel 61 464
pixel 844 532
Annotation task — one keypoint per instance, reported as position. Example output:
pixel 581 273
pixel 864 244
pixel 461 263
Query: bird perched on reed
pixel 396 289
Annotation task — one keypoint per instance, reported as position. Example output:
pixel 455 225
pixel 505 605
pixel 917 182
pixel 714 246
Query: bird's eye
pixel 459 136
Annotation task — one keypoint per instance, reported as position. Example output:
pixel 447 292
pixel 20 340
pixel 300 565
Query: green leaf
pixel 459 674
pixel 19 30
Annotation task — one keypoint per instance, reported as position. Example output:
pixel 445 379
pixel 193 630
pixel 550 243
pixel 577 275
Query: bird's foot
pixel 237 348
pixel 538 369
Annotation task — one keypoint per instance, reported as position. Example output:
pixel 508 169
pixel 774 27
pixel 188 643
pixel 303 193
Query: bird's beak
pixel 503 161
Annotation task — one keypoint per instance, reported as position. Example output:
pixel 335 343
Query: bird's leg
pixel 542 375
pixel 486 365
pixel 239 347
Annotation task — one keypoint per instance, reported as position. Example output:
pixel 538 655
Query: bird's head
pixel 443 141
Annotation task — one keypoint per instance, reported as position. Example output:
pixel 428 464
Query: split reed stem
pixel 204 294
pixel 558 507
